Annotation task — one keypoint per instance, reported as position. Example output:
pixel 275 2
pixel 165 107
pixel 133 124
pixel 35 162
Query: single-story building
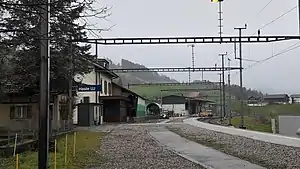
pixel 122 104
pixel 276 99
pixel 295 98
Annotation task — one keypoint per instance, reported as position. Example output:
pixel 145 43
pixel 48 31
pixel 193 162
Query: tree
pixel 23 19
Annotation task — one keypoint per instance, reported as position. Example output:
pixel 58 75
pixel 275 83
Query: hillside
pixel 153 92
pixel 138 77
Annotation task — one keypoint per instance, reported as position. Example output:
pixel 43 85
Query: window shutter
pixel 29 112
pixel 12 112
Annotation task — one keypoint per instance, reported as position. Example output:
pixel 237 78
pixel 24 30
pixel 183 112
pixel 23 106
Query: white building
pixel 295 98
pixel 100 75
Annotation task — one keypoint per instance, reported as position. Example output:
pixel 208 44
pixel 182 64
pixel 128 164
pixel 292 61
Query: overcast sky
pixel 163 18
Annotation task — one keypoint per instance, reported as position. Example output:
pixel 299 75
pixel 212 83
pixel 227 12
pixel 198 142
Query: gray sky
pixel 162 18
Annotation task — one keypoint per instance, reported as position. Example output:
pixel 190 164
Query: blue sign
pixel 89 88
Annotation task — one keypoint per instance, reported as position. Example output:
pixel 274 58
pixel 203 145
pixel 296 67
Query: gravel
pixel 265 154
pixel 131 147
pixel 176 120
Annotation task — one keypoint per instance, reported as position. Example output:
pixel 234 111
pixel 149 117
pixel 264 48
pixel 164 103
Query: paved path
pixel 276 139
pixel 202 155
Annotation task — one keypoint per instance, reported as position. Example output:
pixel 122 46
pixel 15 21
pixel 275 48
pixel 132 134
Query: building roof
pixel 153 103
pixel 127 90
pixel 102 68
pixel 194 94
pixel 275 96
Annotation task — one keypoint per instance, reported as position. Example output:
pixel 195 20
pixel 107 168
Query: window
pixel 63 111
pixel 101 83
pixel 105 87
pixel 21 112
pixel 109 89
pixel 86 99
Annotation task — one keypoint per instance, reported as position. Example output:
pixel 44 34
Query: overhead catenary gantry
pixel 172 84
pixel 174 69
pixel 185 40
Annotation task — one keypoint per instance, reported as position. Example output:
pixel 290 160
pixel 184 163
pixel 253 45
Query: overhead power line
pixel 265 6
pixel 286 50
pixel 269 23
pixel 279 17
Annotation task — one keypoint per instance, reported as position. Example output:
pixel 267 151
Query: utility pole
pixel 241 74
pixel 299 15
pixel 71 75
pixel 229 94
pixel 221 102
pixel 96 83
pixel 223 85
pixel 43 137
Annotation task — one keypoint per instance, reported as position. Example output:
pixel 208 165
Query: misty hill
pixel 138 77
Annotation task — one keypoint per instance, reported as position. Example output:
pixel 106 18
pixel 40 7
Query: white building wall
pixel 177 108
pixel 141 101
pixel 90 79
pixel 296 100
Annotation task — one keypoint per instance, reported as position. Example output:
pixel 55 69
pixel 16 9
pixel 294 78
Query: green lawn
pixel 154 92
pixel 252 123
pixel 253 114
pixel 85 156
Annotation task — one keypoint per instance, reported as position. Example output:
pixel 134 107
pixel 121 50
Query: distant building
pixel 175 104
pixel 276 99
pixel 182 104
pixel 295 98
pixel 255 101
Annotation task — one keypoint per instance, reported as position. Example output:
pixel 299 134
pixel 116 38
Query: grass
pixel 252 123
pixel 267 112
pixel 154 92
pixel 85 156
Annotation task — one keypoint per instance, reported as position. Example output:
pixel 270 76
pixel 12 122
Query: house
pixel 19 111
pixel 276 99
pixel 254 101
pixel 91 88
pixel 123 105
pixel 295 98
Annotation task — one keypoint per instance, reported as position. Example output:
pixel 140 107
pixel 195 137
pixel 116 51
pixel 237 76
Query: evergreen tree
pixel 23 18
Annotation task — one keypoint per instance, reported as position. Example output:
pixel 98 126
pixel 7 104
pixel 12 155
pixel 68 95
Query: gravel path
pixel 176 120
pixel 269 155
pixel 131 147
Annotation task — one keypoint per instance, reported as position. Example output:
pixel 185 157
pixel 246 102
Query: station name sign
pixel 89 88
